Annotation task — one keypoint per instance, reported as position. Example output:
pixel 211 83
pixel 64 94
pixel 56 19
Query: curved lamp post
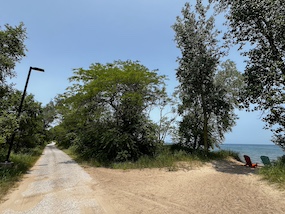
pixel 20 110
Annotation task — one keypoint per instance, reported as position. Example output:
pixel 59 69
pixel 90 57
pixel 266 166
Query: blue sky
pixel 68 34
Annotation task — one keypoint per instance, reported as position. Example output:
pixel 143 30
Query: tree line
pixel 31 128
pixel 105 113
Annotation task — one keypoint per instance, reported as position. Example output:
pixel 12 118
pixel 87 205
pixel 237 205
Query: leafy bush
pixel 276 172
pixel 106 143
pixel 164 158
pixel 222 154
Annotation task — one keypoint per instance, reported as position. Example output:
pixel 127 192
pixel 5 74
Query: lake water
pixel 255 151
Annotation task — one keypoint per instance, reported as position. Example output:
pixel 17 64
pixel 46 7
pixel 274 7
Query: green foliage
pixel 8 123
pixel 260 27
pixel 206 105
pixel 12 49
pixel 167 111
pixel 163 160
pixel 104 112
pixel 275 173
pixel 31 132
pixel 62 136
pixel 49 114
pixel 29 128
pixel 223 154
pixel 8 120
pixel 171 158
pixel 231 80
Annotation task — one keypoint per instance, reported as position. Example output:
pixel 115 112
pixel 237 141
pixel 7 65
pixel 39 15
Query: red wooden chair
pixel 248 162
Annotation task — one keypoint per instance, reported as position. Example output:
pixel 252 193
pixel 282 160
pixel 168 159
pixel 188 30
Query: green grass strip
pixel 22 163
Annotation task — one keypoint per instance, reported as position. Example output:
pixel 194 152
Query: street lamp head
pixel 37 69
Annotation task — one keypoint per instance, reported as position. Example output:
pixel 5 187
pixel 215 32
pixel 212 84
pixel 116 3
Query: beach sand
pixel 217 187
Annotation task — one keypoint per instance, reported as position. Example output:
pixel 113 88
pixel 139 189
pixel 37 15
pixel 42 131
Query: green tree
pixel 8 121
pixel 29 127
pixel 12 49
pixel 107 108
pixel 206 112
pixel 49 114
pixel 32 131
pixel 261 26
pixel 164 115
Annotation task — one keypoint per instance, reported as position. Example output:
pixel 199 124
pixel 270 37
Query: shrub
pixel 276 172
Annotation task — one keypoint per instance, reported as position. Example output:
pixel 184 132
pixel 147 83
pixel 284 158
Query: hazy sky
pixel 68 34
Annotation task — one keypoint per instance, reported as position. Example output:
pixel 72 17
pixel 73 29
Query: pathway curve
pixel 56 184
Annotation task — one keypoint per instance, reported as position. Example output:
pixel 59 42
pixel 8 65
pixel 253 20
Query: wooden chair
pixel 265 160
pixel 248 162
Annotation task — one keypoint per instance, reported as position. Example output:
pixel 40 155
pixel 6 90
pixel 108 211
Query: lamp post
pixel 20 110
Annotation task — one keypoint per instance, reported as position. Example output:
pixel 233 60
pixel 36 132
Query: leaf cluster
pixel 12 49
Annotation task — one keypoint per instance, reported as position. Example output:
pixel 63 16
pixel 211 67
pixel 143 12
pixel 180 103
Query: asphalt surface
pixel 56 184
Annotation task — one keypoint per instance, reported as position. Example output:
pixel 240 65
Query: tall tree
pixel 201 98
pixel 261 25
pixel 108 106
pixel 12 49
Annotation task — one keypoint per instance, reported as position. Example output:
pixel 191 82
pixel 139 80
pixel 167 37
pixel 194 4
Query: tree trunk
pixel 205 124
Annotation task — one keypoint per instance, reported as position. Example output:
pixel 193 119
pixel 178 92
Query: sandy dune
pixel 56 184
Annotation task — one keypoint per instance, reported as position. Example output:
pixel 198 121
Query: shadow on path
pixel 233 167
pixel 67 162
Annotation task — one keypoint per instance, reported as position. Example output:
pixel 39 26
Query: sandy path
pixel 221 187
pixel 56 184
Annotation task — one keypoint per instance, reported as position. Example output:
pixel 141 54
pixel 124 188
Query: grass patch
pixel 275 173
pixel 173 159
pixel 166 158
pixel 224 154
pixel 22 163
pixel 90 162
pixel 163 160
